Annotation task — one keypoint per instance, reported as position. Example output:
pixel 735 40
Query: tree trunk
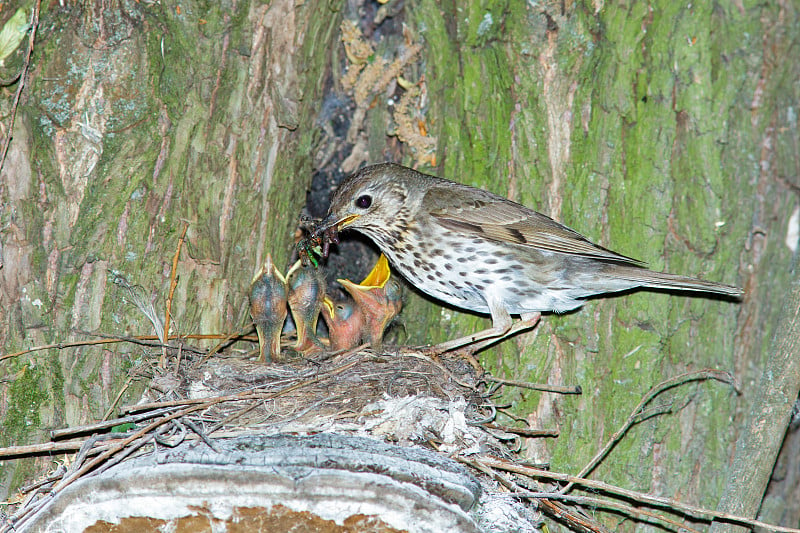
pixel 664 131
pixel 141 119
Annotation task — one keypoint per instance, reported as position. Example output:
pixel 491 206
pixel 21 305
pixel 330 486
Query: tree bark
pixel 140 119
pixel 757 448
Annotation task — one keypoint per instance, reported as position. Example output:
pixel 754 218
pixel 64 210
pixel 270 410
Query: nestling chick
pixel 268 310
pixel 306 292
pixel 379 298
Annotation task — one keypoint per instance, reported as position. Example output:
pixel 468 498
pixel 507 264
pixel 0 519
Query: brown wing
pixel 493 217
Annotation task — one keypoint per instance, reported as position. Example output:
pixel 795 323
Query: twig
pixel 58 474
pixel 40 449
pixel 173 282
pixel 233 416
pixel 117 398
pixel 223 342
pixel 22 77
pixel 560 389
pixel 692 511
pixel 113 339
pixel 553 508
pixel 206 403
pixel 106 424
pixel 638 411
pixel 601 503
pixel 438 365
pixel 121 445
pixel 162 434
pixel 126 452
pixel 169 403
pixel 178 361
pixel 524 432
pixel 58 346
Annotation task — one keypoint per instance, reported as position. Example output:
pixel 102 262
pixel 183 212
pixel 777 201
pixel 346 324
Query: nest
pixel 360 391
pixel 207 406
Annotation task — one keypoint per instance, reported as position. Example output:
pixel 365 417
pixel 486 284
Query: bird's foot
pixel 471 344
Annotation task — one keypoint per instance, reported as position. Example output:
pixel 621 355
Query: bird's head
pixel 374 200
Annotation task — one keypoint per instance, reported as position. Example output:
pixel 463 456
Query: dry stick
pixel 560 389
pixel 600 503
pixel 178 361
pixel 59 473
pixel 758 447
pixel 173 282
pixel 205 405
pixel 113 449
pixel 38 449
pixel 553 507
pixel 234 416
pixel 105 424
pixel 118 397
pixel 221 343
pixel 171 403
pixel 148 340
pixel 524 432
pixel 126 441
pixel 634 418
pixel 22 77
pixel 117 339
pixel 639 497
pixel 76 444
pixel 59 346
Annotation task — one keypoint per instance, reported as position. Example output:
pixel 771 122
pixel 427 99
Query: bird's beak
pixel 328 305
pixel 379 274
pixel 337 225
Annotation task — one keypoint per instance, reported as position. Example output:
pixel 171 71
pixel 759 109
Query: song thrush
pixel 268 310
pixel 479 251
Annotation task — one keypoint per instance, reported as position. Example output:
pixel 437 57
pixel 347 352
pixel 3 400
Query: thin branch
pixel 109 339
pixel 118 397
pixel 26 65
pixel 173 282
pixel 601 503
pixel 223 341
pixel 692 511
pixel 552 508
pixel 524 432
pixel 40 449
pixel 638 412
pixel 560 389
pixel 105 424
pixel 434 362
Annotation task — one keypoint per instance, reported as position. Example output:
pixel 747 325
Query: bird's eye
pixel 364 201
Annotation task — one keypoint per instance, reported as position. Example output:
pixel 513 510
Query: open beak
pixel 379 274
pixel 378 299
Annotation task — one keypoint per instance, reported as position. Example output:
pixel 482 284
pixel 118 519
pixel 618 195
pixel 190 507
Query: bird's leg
pixel 502 327
pixel 526 321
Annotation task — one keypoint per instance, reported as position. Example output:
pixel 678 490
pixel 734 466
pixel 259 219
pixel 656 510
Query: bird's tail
pixel 643 277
